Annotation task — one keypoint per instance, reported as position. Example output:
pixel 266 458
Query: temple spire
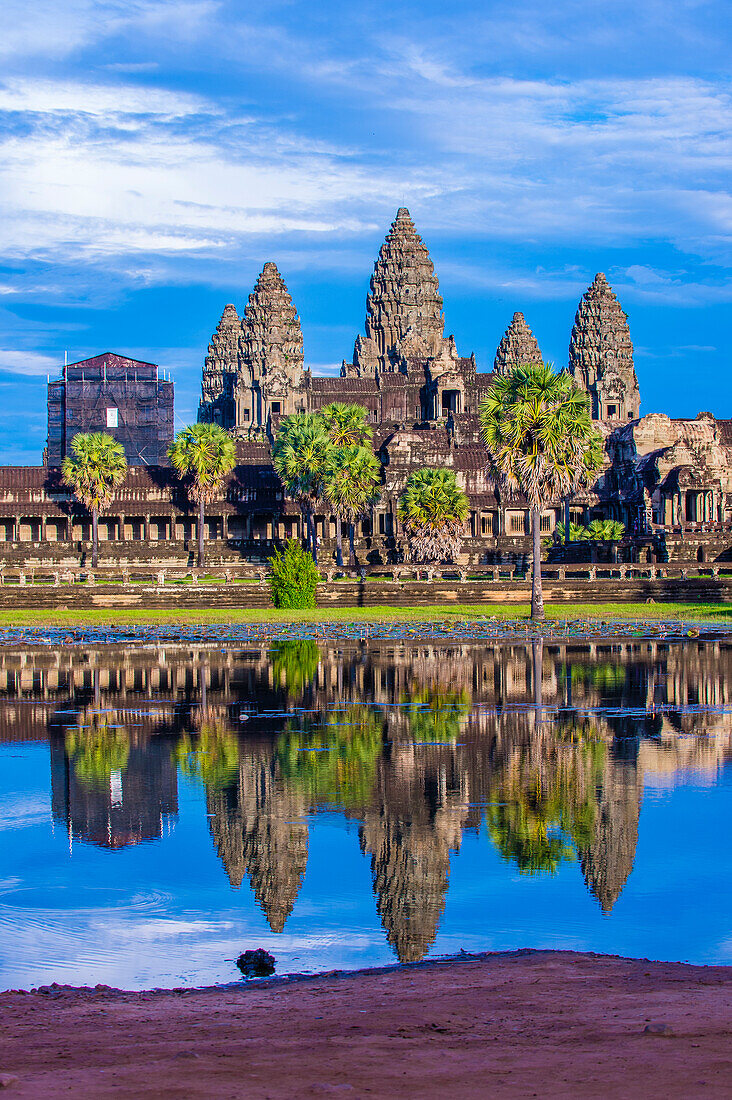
pixel 260 829
pixel 404 318
pixel 601 354
pixel 271 337
pixel 271 360
pixel 410 867
pixel 518 347
pixel 608 860
pixel 219 371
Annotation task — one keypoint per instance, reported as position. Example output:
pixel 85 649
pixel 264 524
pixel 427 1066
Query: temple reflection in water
pixel 543 749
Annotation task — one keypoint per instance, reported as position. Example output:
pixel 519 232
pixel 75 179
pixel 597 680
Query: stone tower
pixel 254 369
pixel 410 867
pixel 404 318
pixel 608 860
pixel 601 354
pixel 518 347
pixel 259 829
pixel 219 372
pixel 270 373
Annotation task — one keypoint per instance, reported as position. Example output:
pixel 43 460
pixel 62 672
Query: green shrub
pixel 294 576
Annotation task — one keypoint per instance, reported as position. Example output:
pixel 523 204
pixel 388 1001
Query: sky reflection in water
pixel 340 805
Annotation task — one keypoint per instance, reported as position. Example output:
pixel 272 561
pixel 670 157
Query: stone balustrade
pixel 398 574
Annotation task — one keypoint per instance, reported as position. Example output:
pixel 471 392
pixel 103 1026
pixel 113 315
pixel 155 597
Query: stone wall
pixel 371 593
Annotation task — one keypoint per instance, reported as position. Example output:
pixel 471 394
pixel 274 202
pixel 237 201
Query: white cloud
pixel 22 812
pixel 108 102
pixel 154 180
pixel 115 168
pixel 112 173
pixel 46 28
pixel 53 30
pixel 27 362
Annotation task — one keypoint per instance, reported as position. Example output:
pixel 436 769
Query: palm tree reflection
pixel 97 751
pixel 333 760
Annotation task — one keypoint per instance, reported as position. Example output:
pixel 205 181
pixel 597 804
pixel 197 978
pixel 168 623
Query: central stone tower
pixel 404 319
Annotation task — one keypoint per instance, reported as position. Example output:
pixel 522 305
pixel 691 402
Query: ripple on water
pixel 42 902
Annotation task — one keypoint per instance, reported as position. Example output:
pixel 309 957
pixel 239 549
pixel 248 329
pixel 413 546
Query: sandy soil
pixel 546 1024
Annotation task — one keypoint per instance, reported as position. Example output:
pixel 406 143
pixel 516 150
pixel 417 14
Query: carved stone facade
pixel 405 371
pixel 601 354
pixel 677 474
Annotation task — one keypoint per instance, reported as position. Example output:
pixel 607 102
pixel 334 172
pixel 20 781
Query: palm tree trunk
pixel 352 542
pixel 339 541
pixel 201 520
pixel 95 537
pixel 537 595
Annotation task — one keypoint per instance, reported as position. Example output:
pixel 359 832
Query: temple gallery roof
pixel 342 385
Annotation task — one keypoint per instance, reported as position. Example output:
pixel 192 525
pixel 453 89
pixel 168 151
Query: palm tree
pixel 438 714
pixel 300 455
pixel 541 443
pixel 346 424
pixel 298 421
pixel 605 530
pixel 432 510
pixel 205 453
pixel 95 467
pixel 577 533
pixel 351 487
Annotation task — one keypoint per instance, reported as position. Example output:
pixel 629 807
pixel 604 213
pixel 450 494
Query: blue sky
pixel 155 153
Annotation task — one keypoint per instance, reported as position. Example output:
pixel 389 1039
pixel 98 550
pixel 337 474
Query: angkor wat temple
pixel 405 371
pixel 668 480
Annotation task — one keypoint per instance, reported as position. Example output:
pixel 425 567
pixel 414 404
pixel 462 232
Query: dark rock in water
pixel 256 964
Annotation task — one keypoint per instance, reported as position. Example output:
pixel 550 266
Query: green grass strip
pixel 609 612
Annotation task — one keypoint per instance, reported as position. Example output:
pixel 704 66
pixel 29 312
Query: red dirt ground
pixel 545 1024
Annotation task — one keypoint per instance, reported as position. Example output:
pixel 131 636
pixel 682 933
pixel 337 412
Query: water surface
pixel 345 803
